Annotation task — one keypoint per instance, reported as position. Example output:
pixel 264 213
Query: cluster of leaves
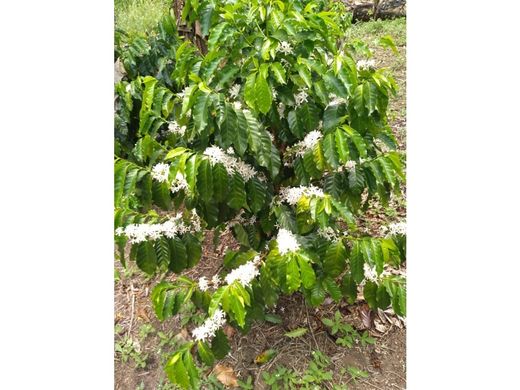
pixel 291 72
pixel 346 334
pixel 315 376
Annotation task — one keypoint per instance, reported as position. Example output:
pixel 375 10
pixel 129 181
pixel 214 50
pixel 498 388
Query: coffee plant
pixel 277 134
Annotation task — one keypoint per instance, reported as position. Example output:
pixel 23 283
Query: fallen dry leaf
pixel 379 326
pixel 366 316
pixel 225 375
pixel 229 331
pixel 182 335
pixel 141 313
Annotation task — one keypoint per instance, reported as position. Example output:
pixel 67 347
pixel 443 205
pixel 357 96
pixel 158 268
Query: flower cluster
pixel 208 329
pixel 349 166
pixel 174 128
pixel 370 273
pixel 335 100
pixel 285 47
pixel 286 242
pixel 281 110
pixel 330 234
pixel 179 183
pixel 300 97
pixel 160 172
pixel 366 64
pixel 184 92
pixel 203 283
pixel 292 195
pixel 245 273
pixel 232 164
pixel 234 91
pixel 397 228
pixel 137 233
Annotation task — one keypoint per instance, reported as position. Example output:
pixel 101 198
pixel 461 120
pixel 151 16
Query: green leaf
pixel 263 95
pixel 387 42
pixel 317 294
pixel 307 272
pixel 177 372
pixel 178 256
pixel 220 345
pixel 145 257
pixel 205 181
pixel 250 90
pixel 383 298
pixel 237 192
pixel 370 294
pixel 205 353
pixel 257 194
pixel 220 182
pixel 335 258
pixel 201 112
pixel 332 288
pixel 349 288
pixel 356 263
pixel 278 71
pixel 298 332
pixel 342 146
pixel 292 275
pixel 329 150
pixel 193 250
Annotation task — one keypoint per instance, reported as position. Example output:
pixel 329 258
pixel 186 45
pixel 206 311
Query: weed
pixel 145 330
pixel 349 335
pixel 356 373
pixel 138 17
pixel 130 349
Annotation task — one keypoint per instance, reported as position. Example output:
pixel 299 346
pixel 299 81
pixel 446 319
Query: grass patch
pixel 137 17
pixel 373 30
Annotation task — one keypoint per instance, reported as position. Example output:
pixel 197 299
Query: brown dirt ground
pixel 385 361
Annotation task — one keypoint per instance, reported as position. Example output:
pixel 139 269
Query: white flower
pixel 285 47
pixel 366 64
pixel 274 93
pixel 184 93
pixel 195 222
pixel 311 139
pixel 203 284
pixel 286 242
pixel 350 165
pixel 120 231
pixel 231 163
pixel 237 105
pixel 370 272
pixel 300 97
pixel 234 91
pixel 179 183
pixel 335 100
pixel 160 172
pixel 137 233
pixel 329 234
pixel 174 128
pixel 292 195
pixel 397 228
pixel 244 274
pixel 281 110
pixel 216 281
pixel 208 329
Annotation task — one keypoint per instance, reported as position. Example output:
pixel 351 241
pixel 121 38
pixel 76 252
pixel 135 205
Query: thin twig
pixel 133 308
pixel 370 384
pixel 397 375
pixel 310 327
